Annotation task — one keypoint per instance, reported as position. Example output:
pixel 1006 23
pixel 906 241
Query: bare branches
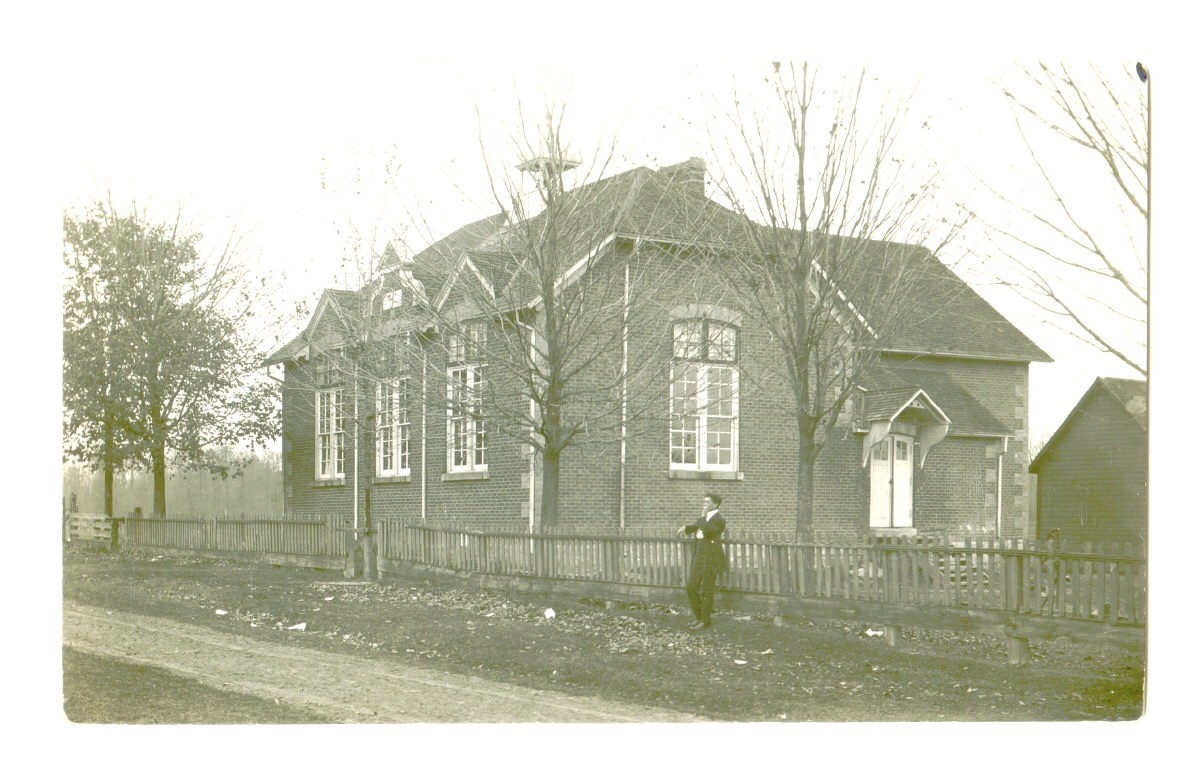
pixel 823 200
pixel 1082 259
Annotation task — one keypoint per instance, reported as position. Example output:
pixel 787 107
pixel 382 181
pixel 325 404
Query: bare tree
pixel 832 228
pixel 549 305
pixel 1081 253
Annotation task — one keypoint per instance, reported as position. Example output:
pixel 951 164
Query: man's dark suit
pixel 708 562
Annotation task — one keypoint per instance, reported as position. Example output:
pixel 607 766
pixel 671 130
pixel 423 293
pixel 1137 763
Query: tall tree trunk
pixel 109 458
pixel 550 473
pixel 805 458
pixel 552 427
pixel 158 460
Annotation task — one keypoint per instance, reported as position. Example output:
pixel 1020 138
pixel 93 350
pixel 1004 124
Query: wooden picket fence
pixel 1017 577
pixel 308 541
pixel 1014 576
pixel 87 528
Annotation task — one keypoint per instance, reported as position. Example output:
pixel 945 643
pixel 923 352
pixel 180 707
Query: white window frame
pixel 330 456
pixel 392 300
pixel 692 395
pixel 393 443
pixel 466 429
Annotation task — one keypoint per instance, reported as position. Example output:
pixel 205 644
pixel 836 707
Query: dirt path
pixel 342 688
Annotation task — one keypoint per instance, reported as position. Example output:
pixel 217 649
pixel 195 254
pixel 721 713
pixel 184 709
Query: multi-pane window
pixel 704 396
pixel 392 428
pixel 331 435
pixel 469 346
pixel 466 431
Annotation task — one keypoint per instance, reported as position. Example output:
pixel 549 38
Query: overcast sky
pixel 287 151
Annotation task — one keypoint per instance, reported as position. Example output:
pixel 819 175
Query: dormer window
pixel 393 299
pixel 469 346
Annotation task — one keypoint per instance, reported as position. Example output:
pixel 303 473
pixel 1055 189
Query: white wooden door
pixel 902 482
pixel 892 483
pixel 881 484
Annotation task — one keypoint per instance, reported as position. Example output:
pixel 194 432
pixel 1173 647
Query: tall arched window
pixel 704 396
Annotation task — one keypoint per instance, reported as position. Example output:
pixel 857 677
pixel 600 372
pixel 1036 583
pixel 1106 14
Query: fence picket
pixel 1104 585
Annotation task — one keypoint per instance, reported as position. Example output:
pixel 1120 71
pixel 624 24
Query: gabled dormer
pixel 464 272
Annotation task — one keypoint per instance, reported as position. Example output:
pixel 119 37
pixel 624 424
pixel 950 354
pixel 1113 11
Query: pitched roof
pixel 890 385
pixel 342 302
pixel 1130 395
pixel 946 318
pixel 289 350
pixel 667 204
pixel 432 265
pixel 942 315
pixel 950 319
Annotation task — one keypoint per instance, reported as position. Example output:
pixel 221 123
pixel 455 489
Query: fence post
pixel 1015 578
pixel 612 560
pixel 1018 650
pixel 540 565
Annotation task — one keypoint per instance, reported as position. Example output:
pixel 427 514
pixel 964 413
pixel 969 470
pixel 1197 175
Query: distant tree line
pixel 256 490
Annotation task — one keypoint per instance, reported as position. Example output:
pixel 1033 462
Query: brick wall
pixel 1002 388
pixel 954 491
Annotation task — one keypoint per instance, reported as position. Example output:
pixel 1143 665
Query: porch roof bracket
pixel 929 436
pixel 929 433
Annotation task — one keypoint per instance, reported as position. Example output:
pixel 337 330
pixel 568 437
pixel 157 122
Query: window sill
pixel 705 475
pixel 473 475
pixel 328 483
pixel 391 479
pixel 893 532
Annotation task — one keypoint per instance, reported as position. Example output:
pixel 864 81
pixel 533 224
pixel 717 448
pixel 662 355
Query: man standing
pixel 708 560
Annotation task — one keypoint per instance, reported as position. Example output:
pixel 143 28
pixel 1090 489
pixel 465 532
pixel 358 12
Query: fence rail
pixel 1009 576
pixel 87 528
pixel 314 540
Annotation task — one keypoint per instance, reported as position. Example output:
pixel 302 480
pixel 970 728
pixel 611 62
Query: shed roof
pixel 1130 395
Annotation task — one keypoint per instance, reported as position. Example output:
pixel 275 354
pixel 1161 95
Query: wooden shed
pixel 1092 474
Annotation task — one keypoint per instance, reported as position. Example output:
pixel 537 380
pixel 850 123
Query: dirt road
pixel 341 688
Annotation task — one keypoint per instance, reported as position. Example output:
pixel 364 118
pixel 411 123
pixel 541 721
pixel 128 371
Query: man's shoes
pixel 697 625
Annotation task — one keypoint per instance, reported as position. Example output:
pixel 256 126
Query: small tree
pixel 823 264
pixel 157 348
pixel 1080 246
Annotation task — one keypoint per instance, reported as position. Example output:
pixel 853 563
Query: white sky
pixel 237 110
pixel 238 137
